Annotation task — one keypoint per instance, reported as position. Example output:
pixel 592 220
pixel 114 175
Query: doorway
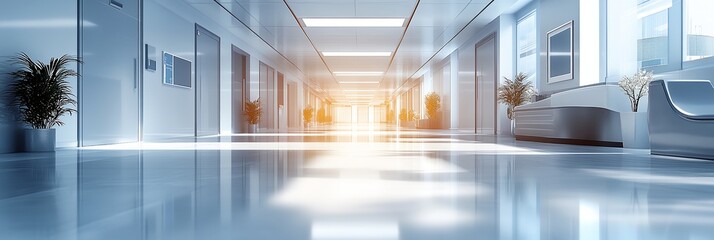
pixel 267 96
pixel 239 85
pixel 207 82
pixel 293 117
pixel 486 86
pixel 281 102
pixel 109 83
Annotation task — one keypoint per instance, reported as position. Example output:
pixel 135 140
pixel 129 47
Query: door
pixel 109 82
pixel 486 84
pixel 293 117
pixel 281 101
pixel 238 86
pixel 267 97
pixel 207 82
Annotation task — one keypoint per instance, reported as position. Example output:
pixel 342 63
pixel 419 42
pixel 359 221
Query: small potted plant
pixel 253 112
pixel 42 95
pixel 433 104
pixel 635 124
pixel 407 117
pixel 307 114
pixel 514 93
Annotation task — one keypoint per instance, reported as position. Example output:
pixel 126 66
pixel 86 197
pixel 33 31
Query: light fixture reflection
pixel 335 230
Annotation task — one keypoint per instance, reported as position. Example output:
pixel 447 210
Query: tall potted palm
pixel 515 92
pixel 253 112
pixel 433 104
pixel 42 95
pixel 307 115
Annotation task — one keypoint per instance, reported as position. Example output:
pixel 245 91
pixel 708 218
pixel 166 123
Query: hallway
pixel 362 182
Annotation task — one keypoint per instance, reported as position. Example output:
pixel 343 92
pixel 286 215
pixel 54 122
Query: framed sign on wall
pixel 560 53
pixel 177 71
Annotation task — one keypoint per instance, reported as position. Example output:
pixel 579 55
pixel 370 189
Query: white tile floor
pixel 354 183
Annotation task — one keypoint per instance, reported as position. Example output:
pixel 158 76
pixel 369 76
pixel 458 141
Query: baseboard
pixel 569 141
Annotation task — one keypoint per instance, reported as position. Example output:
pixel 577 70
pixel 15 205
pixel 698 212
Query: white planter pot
pixel 40 140
pixel 252 128
pixel 635 130
pixel 513 127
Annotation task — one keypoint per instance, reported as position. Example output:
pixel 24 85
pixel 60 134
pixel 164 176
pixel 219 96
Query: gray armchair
pixel 681 118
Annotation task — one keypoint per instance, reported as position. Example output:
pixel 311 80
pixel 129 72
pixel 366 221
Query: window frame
pixel 702 62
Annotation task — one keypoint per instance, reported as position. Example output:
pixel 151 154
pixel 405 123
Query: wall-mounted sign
pixel 177 71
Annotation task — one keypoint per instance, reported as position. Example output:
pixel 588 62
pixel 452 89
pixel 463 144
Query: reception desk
pixel 583 116
pixel 569 125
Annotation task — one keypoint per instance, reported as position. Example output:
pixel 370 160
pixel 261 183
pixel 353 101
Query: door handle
pixel 116 4
pixel 136 74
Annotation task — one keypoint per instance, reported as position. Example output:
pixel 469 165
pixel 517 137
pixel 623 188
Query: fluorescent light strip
pixel 353 22
pixel 362 90
pixel 358 74
pixel 356 54
pixel 359 82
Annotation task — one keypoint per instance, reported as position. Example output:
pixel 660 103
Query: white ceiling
pixel 429 27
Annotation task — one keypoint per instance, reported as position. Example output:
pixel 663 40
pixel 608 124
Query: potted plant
pixel 321 116
pixel 42 95
pixel 253 112
pixel 403 116
pixel 635 124
pixel 307 114
pixel 407 117
pixel 433 104
pixel 514 93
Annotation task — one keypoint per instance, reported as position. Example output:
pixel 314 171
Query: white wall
pixel 551 14
pixel 42 29
pixel 170 27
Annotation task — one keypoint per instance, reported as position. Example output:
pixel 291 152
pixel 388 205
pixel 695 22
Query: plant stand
pixel 635 130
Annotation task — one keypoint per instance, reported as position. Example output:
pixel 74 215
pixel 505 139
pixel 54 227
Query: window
pixel 526 48
pixel 698 37
pixel 653 33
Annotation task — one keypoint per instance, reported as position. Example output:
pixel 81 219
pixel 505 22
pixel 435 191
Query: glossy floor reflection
pixel 354 183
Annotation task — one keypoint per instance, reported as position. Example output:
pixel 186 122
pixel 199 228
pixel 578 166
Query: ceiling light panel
pixel 353 22
pixel 358 74
pixel 359 82
pixel 356 54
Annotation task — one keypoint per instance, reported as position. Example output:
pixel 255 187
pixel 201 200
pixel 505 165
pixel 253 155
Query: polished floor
pixel 372 183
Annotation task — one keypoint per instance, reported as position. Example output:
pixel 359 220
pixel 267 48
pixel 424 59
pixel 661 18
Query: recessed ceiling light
pixel 356 54
pixel 361 90
pixel 357 74
pixel 353 22
pixel 365 82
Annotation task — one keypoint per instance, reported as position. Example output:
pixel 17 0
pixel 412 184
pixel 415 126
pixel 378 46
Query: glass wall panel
pixel 698 29
pixel 526 46
pixel 652 40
